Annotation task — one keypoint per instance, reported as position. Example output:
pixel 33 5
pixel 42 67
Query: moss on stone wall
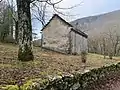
pixel 96 79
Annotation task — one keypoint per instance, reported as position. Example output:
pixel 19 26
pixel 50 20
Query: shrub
pixel 84 56
pixel 110 55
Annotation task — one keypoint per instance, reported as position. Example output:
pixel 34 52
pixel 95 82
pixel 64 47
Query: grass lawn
pixel 46 63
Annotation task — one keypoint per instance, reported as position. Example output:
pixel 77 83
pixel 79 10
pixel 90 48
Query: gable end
pixel 55 15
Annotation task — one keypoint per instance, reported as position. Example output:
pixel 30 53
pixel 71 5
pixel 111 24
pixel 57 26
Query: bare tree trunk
pixel 116 45
pixel 25 31
pixel 11 20
pixel 16 32
pixel 104 48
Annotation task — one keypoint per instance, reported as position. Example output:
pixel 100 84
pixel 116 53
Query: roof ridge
pixel 73 28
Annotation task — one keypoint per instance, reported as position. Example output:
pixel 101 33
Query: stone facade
pixel 79 43
pixel 57 35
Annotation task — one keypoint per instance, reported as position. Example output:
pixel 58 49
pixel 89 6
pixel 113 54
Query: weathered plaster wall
pixel 55 35
pixel 79 43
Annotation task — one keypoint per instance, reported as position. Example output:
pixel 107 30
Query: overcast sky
pixel 92 7
pixel 87 8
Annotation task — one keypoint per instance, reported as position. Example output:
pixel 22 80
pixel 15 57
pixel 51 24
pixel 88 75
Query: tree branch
pixel 41 9
pixel 55 2
pixel 69 7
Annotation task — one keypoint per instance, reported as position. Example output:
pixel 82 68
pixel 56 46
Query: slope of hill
pixel 94 25
pixel 46 63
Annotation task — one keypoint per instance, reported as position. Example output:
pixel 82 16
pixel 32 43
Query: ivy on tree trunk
pixel 25 31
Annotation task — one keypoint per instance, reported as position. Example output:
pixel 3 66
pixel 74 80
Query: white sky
pixel 87 8
pixel 91 7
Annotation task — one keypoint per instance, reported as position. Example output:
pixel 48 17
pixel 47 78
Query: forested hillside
pixel 103 31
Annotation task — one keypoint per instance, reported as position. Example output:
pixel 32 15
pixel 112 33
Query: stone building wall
pixel 56 35
pixel 79 43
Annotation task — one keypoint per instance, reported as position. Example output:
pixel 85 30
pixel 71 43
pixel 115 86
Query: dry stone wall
pixel 104 78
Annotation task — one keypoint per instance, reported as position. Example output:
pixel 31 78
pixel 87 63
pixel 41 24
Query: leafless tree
pixel 107 43
pixel 42 12
pixel 24 26
pixel 15 19
pixel 5 20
